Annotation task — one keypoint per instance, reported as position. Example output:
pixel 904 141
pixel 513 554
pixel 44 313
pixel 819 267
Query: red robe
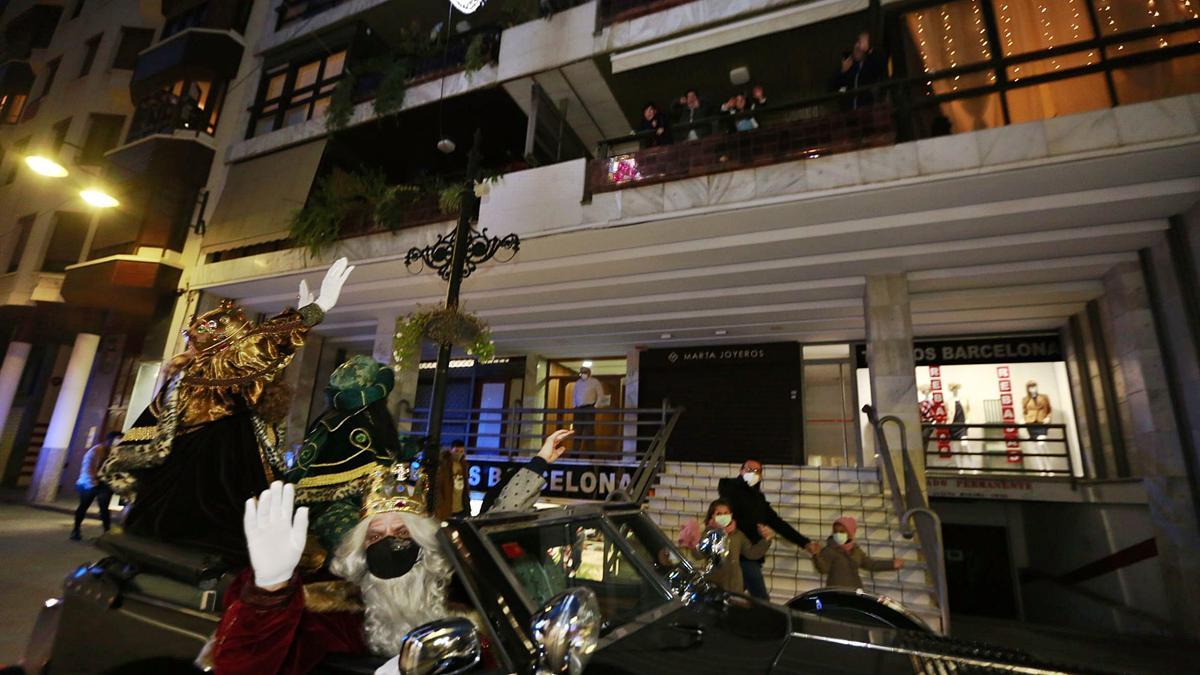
pixel 264 633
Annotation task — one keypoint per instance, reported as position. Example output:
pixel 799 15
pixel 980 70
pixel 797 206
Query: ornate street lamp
pixel 455 256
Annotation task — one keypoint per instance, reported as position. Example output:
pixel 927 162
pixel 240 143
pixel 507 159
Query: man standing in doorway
pixel 757 520
pixel 588 393
pixel 89 485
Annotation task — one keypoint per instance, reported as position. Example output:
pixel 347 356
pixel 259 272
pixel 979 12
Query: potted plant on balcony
pixel 343 201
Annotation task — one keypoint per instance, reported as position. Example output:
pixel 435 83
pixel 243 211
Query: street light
pixel 99 198
pixel 44 166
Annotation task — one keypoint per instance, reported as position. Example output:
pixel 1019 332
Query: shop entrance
pixel 979 573
pixel 562 377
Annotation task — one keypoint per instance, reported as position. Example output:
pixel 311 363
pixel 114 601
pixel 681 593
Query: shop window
pixel 89 56
pixel 18 157
pixel 296 93
pixel 58 135
pixel 1121 17
pixel 51 72
pixel 21 232
pixel 11 107
pixel 66 242
pixel 104 132
pixel 133 41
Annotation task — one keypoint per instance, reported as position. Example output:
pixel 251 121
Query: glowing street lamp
pixel 98 198
pixel 44 166
pixel 466 6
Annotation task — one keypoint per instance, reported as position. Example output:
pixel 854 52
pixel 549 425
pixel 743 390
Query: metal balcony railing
pixel 1009 449
pixel 629 437
pixel 165 113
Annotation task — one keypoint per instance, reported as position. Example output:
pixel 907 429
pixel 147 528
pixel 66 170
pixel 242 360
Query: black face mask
pixel 391 557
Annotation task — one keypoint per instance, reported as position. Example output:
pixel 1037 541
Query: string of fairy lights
pixel 939 23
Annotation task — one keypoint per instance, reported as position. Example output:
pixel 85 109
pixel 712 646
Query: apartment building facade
pixel 1009 197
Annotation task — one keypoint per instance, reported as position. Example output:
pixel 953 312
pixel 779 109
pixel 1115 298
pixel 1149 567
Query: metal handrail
pixel 655 457
pixel 911 505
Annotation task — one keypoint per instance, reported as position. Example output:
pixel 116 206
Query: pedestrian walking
pixel 90 487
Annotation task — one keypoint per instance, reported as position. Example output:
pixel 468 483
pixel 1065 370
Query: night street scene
pixel 607 337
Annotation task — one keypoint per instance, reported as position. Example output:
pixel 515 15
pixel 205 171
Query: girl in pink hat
pixel 841 559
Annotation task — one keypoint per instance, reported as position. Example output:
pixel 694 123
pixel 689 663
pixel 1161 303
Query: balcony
pixel 140 283
pixel 166 113
pixel 194 54
pixel 615 11
pixel 221 15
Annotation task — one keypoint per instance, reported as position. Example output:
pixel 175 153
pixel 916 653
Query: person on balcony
pixel 450 486
pixel 861 67
pixel 655 130
pixel 693 114
pixel 212 436
pixel 735 107
pixel 587 397
pixel 757 520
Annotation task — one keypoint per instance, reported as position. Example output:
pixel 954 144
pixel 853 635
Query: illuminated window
pixel 296 93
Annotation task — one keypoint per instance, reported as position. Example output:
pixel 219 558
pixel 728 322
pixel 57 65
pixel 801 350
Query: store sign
pixel 722 354
pixel 570 481
pixel 1017 349
pixel 983 487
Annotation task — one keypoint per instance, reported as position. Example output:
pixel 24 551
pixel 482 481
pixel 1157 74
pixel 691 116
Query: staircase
pixel 809 498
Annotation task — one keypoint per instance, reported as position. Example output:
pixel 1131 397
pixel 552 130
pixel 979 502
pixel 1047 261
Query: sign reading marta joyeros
pixel 1013 349
pixel 703 356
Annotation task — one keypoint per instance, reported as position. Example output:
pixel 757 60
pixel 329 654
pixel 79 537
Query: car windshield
pixel 550 559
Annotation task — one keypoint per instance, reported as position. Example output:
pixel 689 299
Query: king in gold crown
pixel 391 492
pixel 217 327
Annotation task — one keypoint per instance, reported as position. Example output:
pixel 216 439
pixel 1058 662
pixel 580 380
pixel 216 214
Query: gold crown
pixel 225 323
pixel 389 491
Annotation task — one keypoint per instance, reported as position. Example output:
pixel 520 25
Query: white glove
pixel 392 667
pixel 275 539
pixel 331 286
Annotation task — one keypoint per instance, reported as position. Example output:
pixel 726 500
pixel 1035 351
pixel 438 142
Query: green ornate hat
pixel 358 383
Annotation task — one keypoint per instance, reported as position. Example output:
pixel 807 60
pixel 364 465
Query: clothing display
pixel 960 417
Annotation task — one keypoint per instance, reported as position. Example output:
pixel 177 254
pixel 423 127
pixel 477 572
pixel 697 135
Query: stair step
pixel 672 522
pixel 704 497
pixel 773 471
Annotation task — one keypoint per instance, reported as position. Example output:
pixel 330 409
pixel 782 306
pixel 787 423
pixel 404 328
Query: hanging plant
pixel 450 198
pixel 389 211
pixel 389 98
pixel 477 55
pixel 341 103
pixel 440 325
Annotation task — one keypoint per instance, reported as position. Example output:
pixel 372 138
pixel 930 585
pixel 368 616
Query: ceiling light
pixel 665 336
pixel 720 332
pixel 739 76
pixel 586 364
pixel 45 166
pixel 446 146
pixel 98 198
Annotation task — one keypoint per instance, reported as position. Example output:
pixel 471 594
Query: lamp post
pixel 455 256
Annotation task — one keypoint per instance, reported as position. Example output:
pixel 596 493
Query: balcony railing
pixel 615 11
pixel 895 110
pixel 1004 449
pixel 805 138
pixel 165 113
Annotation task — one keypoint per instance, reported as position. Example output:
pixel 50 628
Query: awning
pixel 260 195
pixel 732 33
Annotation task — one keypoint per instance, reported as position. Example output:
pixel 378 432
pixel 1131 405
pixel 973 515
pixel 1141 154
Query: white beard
pixel 396 606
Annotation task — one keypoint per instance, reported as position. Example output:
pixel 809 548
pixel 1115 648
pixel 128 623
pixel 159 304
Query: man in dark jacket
pixel 861 67
pixel 756 519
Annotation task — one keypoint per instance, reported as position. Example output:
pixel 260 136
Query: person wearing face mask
pixel 586 397
pixel 728 575
pixel 755 518
pixel 388 575
pixel 841 559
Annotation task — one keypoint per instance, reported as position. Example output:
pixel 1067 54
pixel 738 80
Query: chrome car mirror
pixel 442 647
pixel 714 546
pixel 566 631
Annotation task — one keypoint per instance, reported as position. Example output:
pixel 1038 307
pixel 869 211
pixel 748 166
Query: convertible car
pixel 595 588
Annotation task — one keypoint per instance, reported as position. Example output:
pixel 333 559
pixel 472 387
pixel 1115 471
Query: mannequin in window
pixel 1036 407
pixel 959 411
pixel 926 404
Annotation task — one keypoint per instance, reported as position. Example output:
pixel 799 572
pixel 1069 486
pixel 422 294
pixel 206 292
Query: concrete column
pixel 10 376
pixel 533 396
pixel 1154 440
pixel 62 421
pixel 890 362
pixel 404 394
pixel 632 377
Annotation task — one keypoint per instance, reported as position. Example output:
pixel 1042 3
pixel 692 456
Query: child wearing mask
pixel 727 575
pixel 841 559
